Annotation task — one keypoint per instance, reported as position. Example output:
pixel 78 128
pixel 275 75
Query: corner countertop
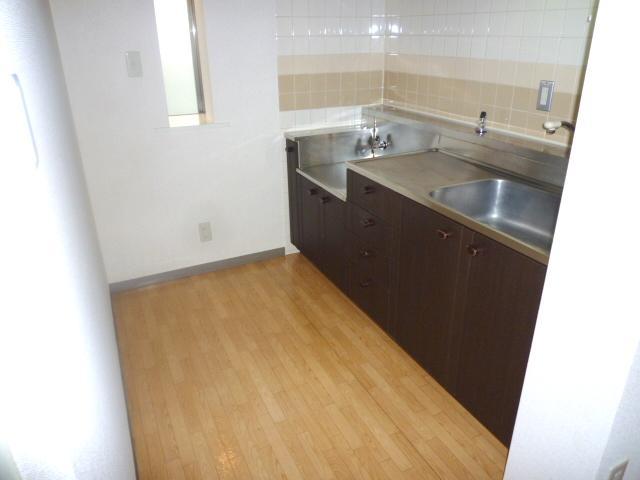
pixel 415 175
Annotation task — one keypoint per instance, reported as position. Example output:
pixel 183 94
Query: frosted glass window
pixel 178 52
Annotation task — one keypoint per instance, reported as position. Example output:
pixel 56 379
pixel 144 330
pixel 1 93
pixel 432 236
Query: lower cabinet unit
pixel 462 305
pixel 495 324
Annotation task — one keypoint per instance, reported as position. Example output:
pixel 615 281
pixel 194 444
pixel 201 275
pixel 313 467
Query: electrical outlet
pixel 204 229
pixel 617 472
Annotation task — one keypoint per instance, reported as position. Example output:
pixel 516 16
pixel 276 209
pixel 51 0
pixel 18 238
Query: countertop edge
pixel 507 240
pixel 336 193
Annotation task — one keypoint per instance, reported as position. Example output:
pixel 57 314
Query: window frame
pixel 195 57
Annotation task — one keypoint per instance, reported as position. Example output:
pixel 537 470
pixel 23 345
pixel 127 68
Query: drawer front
pixel 420 224
pixel 372 196
pixel 368 227
pixel 369 285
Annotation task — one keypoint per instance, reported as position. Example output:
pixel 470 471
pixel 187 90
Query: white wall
pixel 588 330
pixel 150 186
pixel 62 408
pixel 624 440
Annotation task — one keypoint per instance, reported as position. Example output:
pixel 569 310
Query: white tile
pixel 348 8
pixel 441 7
pixel 552 23
pixel 466 24
pixel 438 46
pixel 318 116
pixel 498 5
pixel 285 46
pixel 515 5
pixel 427 25
pixel 300 8
pixel 287 120
pixel 316 46
pixel 300 26
pixel 332 45
pixel 303 117
pixel 510 48
pixel 450 46
pixel 556 4
pixel 532 25
pixel 452 25
pixel 483 5
pixel 572 51
pixel 529 49
pixel 494 48
pixel 332 25
pixel 535 4
pixel 378 7
pixel 575 23
pixel 439 24
pixel 578 3
pixel 429 7
pixel 332 7
pixel 464 47
pixel 478 47
pixel 426 46
pixel 392 45
pixel 301 45
pixel 549 50
pixel 317 26
pixel 317 8
pixel 363 8
pixel 377 44
pixel 284 8
pixel 468 6
pixel 482 21
pixel 454 6
pixel 284 26
pixel 514 23
pixel 363 44
pixel 497 23
pixel 348 44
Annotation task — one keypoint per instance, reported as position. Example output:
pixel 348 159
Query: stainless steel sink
pixel 523 212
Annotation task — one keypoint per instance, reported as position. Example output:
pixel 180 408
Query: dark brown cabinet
pixel 322 230
pixel 496 321
pixel 462 305
pixel 428 261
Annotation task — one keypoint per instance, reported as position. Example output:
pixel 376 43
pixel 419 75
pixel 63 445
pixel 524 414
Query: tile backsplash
pixel 449 57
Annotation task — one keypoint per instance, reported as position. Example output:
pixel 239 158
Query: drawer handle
pixel 473 250
pixel 313 191
pixel 366 253
pixel 325 199
pixel 366 283
pixel 443 234
pixel 368 189
pixel 289 149
pixel 368 222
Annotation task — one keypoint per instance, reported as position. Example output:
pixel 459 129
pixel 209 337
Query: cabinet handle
pixel 443 234
pixel 325 199
pixel 366 283
pixel 368 189
pixel 368 222
pixel 313 191
pixel 366 253
pixel 473 250
pixel 288 149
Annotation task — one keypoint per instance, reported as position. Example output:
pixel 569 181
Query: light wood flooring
pixel 269 371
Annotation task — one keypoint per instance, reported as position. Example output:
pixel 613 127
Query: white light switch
pixel 545 95
pixel 134 63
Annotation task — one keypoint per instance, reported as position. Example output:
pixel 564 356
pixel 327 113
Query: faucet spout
pixel 481 129
pixel 552 126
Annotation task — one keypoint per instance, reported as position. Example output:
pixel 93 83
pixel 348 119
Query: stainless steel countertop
pixel 415 176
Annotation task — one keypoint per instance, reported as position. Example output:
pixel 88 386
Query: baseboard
pixel 194 270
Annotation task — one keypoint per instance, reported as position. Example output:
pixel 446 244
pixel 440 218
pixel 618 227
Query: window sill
pixel 188 122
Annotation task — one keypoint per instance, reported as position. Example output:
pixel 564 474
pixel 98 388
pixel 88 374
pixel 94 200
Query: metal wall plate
pixel 545 95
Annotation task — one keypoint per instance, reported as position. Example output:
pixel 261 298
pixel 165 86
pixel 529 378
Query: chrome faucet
pixel 552 126
pixel 481 129
pixel 376 142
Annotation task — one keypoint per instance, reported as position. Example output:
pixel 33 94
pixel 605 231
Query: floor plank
pixel 269 371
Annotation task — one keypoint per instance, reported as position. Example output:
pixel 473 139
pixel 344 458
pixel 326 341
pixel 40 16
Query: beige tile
pixel 376 79
pixel 287 102
pixel 332 81
pixel 507 72
pixel 347 81
pixel 332 98
pixel 363 80
pixel 523 99
pixel 543 71
pixel 318 99
pixel 412 83
pixel 562 105
pixel 504 96
pixel 318 82
pixel 473 91
pixel 347 98
pixel 567 78
pixel 491 71
pixel 303 101
pixel 301 83
pixel 518 118
pixel 458 89
pixel 524 76
pixel 285 83
pixel 488 93
pixel 501 115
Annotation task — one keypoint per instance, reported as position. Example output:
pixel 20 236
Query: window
pixel 180 49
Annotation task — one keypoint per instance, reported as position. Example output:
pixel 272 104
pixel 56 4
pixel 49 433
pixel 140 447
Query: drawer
pixel 373 197
pixel 368 227
pixel 362 251
pixel 368 281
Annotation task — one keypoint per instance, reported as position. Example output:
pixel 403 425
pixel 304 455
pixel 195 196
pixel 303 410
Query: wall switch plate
pixel 545 95
pixel 617 472
pixel 204 229
pixel 134 64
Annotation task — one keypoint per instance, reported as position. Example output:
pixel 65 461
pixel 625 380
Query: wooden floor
pixel 269 371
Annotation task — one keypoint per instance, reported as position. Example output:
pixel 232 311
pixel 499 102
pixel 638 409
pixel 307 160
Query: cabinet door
pixel 333 261
pixel 497 321
pixel 310 220
pixel 429 254
pixel 294 197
